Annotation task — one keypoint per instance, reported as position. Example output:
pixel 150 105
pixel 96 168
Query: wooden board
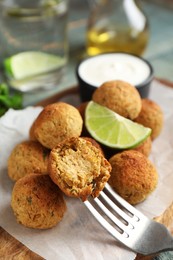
pixel 10 248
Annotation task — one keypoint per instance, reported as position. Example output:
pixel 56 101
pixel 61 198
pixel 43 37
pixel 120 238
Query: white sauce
pixel 114 66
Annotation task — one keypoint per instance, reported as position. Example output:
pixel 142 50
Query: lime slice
pixel 113 130
pixel 31 63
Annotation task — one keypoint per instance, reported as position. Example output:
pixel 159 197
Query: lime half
pixel 113 130
pixel 31 63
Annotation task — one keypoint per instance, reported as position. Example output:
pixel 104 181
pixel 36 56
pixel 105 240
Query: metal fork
pixel 128 225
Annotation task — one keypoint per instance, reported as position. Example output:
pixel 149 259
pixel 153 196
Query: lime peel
pixel 113 130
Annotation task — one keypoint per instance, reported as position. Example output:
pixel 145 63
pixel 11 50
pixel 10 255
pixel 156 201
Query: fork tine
pixel 103 222
pixel 127 238
pixel 142 235
pixel 128 219
pixel 125 204
pixel 120 225
pixel 120 230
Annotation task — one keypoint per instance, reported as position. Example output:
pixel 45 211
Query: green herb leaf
pixel 8 100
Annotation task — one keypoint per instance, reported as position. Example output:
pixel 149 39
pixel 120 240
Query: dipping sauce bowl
pixel 92 72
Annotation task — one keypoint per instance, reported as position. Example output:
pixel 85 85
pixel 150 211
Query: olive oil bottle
pixel 117 26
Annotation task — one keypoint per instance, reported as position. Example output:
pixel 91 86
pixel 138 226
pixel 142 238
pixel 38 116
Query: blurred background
pixel 158 51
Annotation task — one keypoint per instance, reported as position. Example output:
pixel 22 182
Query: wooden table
pixel 10 248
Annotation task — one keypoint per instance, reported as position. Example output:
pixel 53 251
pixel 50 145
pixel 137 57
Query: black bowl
pixel 86 87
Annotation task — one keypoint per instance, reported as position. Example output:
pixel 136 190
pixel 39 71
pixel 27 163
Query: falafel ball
pixel 133 176
pixel 27 157
pixel 57 122
pixel 95 143
pixel 31 132
pixel 81 108
pixel 37 202
pixel 151 116
pixel 145 147
pixel 119 96
pixel 78 168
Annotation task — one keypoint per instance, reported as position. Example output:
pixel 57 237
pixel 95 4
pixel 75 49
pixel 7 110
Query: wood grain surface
pixel 10 248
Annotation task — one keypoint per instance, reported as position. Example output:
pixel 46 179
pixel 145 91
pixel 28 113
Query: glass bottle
pixel 117 26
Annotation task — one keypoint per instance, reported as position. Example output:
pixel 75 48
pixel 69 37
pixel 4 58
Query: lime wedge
pixel 31 63
pixel 113 130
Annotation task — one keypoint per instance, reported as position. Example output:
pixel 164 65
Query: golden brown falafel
pixel 145 147
pixel 151 116
pixel 57 122
pixel 27 157
pixel 95 143
pixel 31 132
pixel 119 96
pixel 37 202
pixel 133 176
pixel 82 108
pixel 78 168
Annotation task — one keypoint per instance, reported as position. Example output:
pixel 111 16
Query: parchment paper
pixel 78 235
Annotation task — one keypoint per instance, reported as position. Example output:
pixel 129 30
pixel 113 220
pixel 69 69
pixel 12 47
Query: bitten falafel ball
pixel 78 168
pixel 94 142
pixel 57 122
pixel 119 96
pixel 133 176
pixel 151 116
pixel 27 157
pixel 37 202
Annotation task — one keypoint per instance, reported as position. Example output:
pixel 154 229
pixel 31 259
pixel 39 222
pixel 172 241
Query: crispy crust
pixel 151 116
pixel 56 123
pixel 78 168
pixel 26 158
pixel 145 147
pixel 119 96
pixel 31 132
pixel 81 108
pixel 133 176
pixel 95 143
pixel 37 202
